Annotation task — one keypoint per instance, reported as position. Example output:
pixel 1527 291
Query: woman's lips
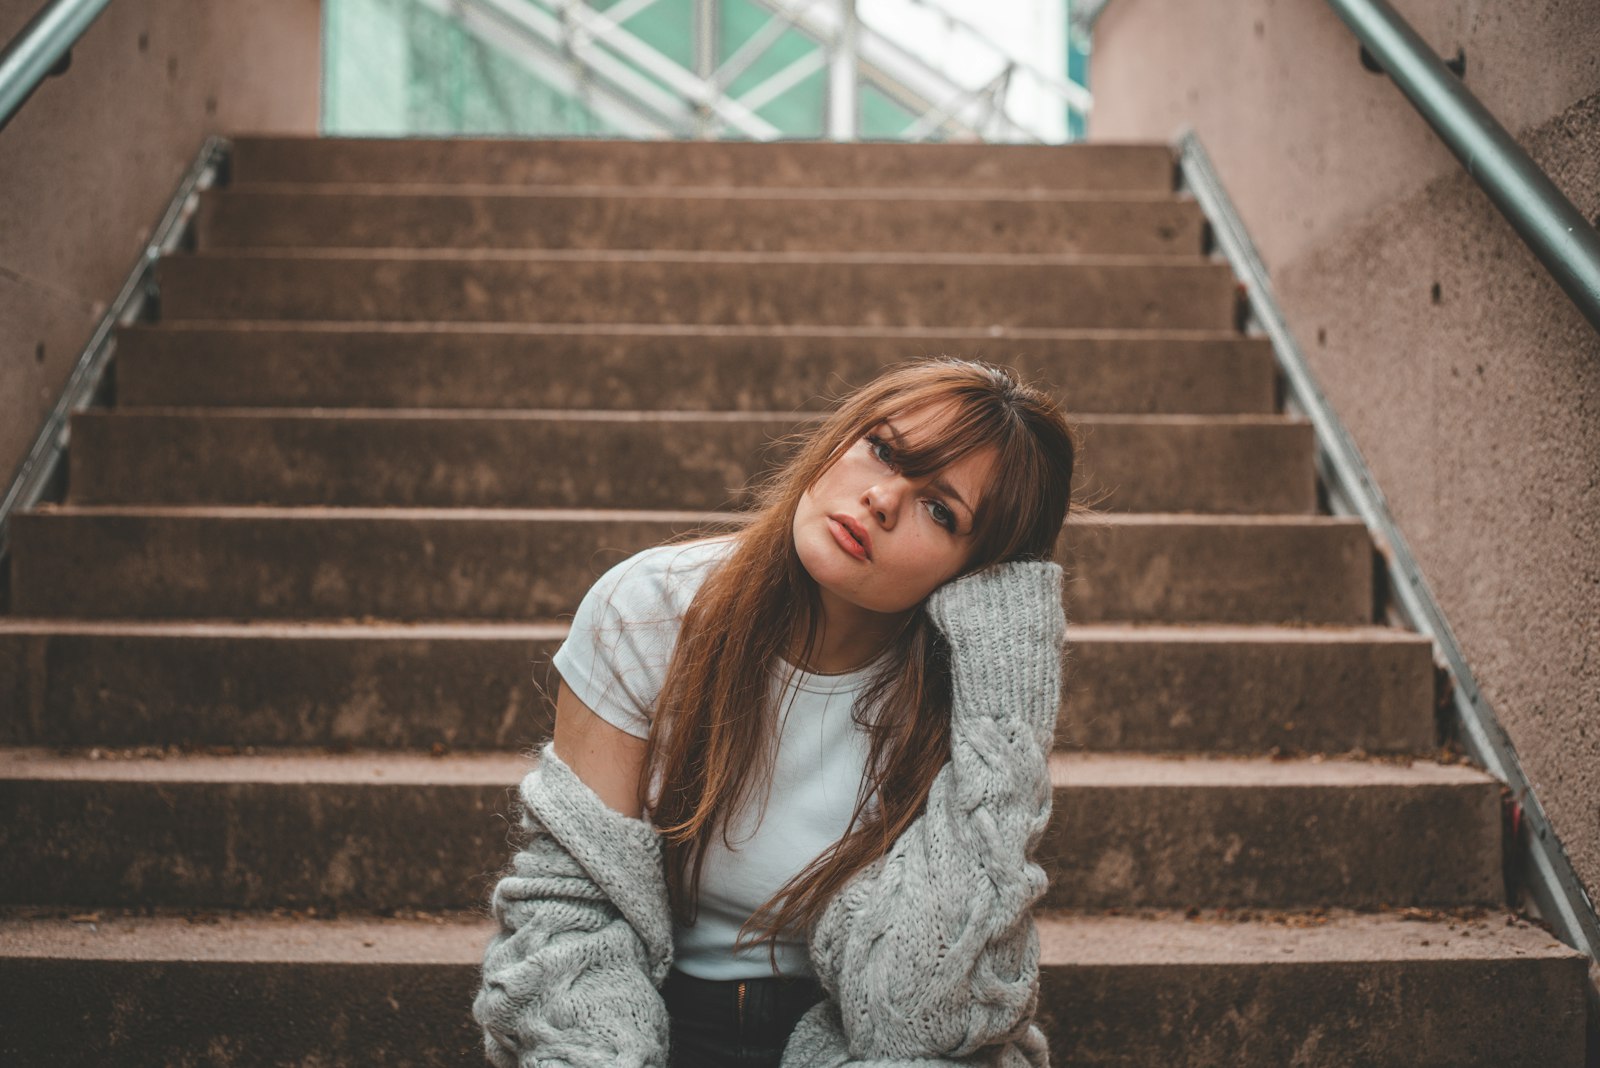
pixel 846 542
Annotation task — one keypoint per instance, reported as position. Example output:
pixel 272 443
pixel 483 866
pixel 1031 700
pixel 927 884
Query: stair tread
pixel 1331 935
pixel 408 513
pixel 1067 939
pixel 708 192
pixel 751 330
pixel 364 512
pixel 630 415
pixel 1321 633
pixel 691 256
pixel 1068 770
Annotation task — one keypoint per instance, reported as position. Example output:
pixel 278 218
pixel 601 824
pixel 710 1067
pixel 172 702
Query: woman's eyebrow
pixel 939 483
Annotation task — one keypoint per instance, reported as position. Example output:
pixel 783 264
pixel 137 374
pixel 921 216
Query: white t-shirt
pixel 614 660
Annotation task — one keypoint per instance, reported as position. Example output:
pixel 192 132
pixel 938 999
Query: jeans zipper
pixel 741 1008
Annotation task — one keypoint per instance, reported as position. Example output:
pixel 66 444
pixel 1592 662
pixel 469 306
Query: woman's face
pixel 917 532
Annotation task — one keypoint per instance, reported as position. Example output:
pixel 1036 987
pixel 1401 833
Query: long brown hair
pixel 713 730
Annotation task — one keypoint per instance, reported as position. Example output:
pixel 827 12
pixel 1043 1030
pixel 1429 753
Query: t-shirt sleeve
pixel 615 656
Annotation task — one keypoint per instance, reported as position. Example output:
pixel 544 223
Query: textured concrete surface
pixel 781 164
pixel 757 288
pixel 1132 830
pixel 380 685
pixel 1218 569
pixel 373 216
pixel 1467 379
pixel 1254 464
pixel 325 563
pixel 1319 988
pixel 1237 990
pixel 526 564
pixel 490 685
pixel 90 161
pixel 1247 689
pixel 689 368
pixel 300 829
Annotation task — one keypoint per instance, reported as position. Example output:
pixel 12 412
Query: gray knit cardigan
pixel 929 955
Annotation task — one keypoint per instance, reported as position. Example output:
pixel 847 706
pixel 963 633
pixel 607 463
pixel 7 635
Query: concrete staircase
pixel 270 670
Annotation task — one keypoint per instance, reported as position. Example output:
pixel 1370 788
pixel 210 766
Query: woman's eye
pixel 875 443
pixel 943 516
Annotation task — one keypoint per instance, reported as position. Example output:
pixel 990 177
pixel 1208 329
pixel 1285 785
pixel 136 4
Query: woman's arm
pixel 605 757
pixel 571 976
pixel 932 949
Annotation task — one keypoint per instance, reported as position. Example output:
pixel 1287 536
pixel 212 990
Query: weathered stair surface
pixel 1132 688
pixel 647 165
pixel 416 564
pixel 275 667
pixel 432 458
pixel 805 289
pixel 802 220
pixel 1115 989
pixel 309 829
pixel 277 363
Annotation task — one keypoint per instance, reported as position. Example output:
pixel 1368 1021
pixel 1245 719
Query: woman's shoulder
pixel 660 580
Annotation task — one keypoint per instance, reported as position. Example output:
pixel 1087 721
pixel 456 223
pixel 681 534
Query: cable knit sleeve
pixel 932 951
pixel 571 977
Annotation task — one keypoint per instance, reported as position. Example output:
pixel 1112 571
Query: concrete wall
pixel 1470 383
pixel 88 164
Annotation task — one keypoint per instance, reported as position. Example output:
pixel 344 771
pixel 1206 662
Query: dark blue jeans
pixel 712 1027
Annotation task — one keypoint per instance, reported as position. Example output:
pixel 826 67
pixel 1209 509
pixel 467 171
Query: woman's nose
pixel 883 500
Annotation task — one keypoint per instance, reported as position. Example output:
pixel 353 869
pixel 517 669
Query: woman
pixel 828 729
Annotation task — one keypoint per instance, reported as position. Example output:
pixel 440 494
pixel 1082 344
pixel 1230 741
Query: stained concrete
pixel 303 829
pixel 263 562
pixel 643 459
pixel 1470 384
pixel 89 164
pixel 792 164
pixel 661 366
pixel 368 216
pixel 126 683
pixel 1241 989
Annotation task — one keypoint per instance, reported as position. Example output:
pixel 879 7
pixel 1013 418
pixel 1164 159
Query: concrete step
pixel 523 565
pixel 1473 989
pixel 1148 831
pixel 490 686
pixel 801 220
pixel 299 829
pixel 554 458
pixel 424 365
pixel 655 164
pixel 765 288
pixel 1316 989
pixel 1231 689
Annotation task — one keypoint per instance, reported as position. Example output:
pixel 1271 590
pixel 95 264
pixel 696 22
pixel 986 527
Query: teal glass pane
pixel 882 117
pixel 398 67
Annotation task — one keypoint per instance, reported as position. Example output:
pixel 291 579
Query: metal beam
pixel 843 71
pixel 793 74
pixel 685 83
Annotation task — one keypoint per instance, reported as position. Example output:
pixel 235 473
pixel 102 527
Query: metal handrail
pixel 1557 232
pixel 42 48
